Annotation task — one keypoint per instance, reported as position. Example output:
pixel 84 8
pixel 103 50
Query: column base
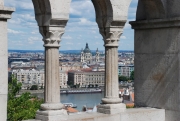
pixel 52 115
pixel 111 108
pixel 111 100
pixel 51 106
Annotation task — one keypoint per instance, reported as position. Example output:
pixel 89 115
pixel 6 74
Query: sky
pixel 23 32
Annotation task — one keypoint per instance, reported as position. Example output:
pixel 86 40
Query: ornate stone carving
pixel 51 36
pixel 111 38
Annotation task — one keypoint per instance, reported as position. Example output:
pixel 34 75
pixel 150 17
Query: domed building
pixel 86 55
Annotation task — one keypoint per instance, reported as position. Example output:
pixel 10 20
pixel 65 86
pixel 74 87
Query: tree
pixel 132 75
pixel 34 87
pixel 123 78
pixel 13 87
pixel 23 107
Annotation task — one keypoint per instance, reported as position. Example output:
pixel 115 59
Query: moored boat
pixel 70 105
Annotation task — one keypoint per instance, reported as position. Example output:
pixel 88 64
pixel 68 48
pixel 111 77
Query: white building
pixel 63 79
pixel 34 77
pixel 29 77
pixel 86 78
pixel 125 70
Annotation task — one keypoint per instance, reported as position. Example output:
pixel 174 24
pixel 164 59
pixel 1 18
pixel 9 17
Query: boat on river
pixel 70 105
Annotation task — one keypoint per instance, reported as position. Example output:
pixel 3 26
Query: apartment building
pixel 29 77
pixel 125 70
pixel 86 79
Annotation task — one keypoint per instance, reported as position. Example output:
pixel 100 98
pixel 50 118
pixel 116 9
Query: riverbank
pixel 42 90
pixel 31 91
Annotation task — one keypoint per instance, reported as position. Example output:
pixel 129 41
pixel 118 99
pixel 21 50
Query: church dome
pixel 87 50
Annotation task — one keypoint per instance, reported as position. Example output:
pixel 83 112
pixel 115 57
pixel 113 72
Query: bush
pixel 132 75
pixel 23 107
pixel 123 78
pixel 34 87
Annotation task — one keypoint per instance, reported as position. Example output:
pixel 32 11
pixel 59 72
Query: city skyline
pixel 23 32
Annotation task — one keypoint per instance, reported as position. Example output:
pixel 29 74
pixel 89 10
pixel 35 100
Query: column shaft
pixel 3 70
pixel 52 86
pixel 111 76
pixel 111 73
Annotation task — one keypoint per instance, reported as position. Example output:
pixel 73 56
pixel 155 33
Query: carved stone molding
pixel 51 36
pixel 111 38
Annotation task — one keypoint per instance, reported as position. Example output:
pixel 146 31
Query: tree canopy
pixel 21 107
pixel 123 78
pixel 132 75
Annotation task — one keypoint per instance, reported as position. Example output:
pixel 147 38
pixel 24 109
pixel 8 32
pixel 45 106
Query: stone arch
pixel 110 13
pixel 51 12
pixel 151 9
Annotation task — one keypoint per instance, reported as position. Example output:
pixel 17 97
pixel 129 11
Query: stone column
pixel 111 103
pixel 5 13
pixel 52 17
pixel 52 109
pixel 111 16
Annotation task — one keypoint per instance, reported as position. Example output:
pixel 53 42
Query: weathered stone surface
pixel 3 58
pixel 51 16
pixel 111 108
pixel 157 63
pixel 111 16
pixel 137 114
pixel 51 115
pixel 3 105
pixel 5 13
pixel 1 2
pixel 52 12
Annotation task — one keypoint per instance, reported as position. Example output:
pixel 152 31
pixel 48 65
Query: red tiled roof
pixel 71 110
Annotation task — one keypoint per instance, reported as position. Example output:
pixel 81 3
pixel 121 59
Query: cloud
pixel 84 21
pixel 81 27
pixel 32 40
pixel 14 31
pixel 69 43
pixel 123 37
pixel 74 11
pixel 20 4
pixel 67 37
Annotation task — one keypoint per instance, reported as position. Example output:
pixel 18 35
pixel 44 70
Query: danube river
pixel 88 99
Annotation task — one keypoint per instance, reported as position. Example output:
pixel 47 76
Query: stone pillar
pixel 111 103
pixel 51 16
pixel 111 16
pixel 52 109
pixel 5 13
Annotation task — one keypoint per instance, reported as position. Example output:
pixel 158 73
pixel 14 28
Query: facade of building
pixel 125 70
pixel 63 79
pixel 35 77
pixel 86 79
pixel 66 66
pixel 29 77
pixel 86 55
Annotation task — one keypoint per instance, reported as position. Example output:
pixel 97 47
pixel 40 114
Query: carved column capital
pixel 111 36
pixel 52 36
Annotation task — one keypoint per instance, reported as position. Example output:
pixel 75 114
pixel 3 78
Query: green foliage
pixel 23 107
pixel 129 106
pixel 13 87
pixel 123 78
pixel 132 75
pixel 34 87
